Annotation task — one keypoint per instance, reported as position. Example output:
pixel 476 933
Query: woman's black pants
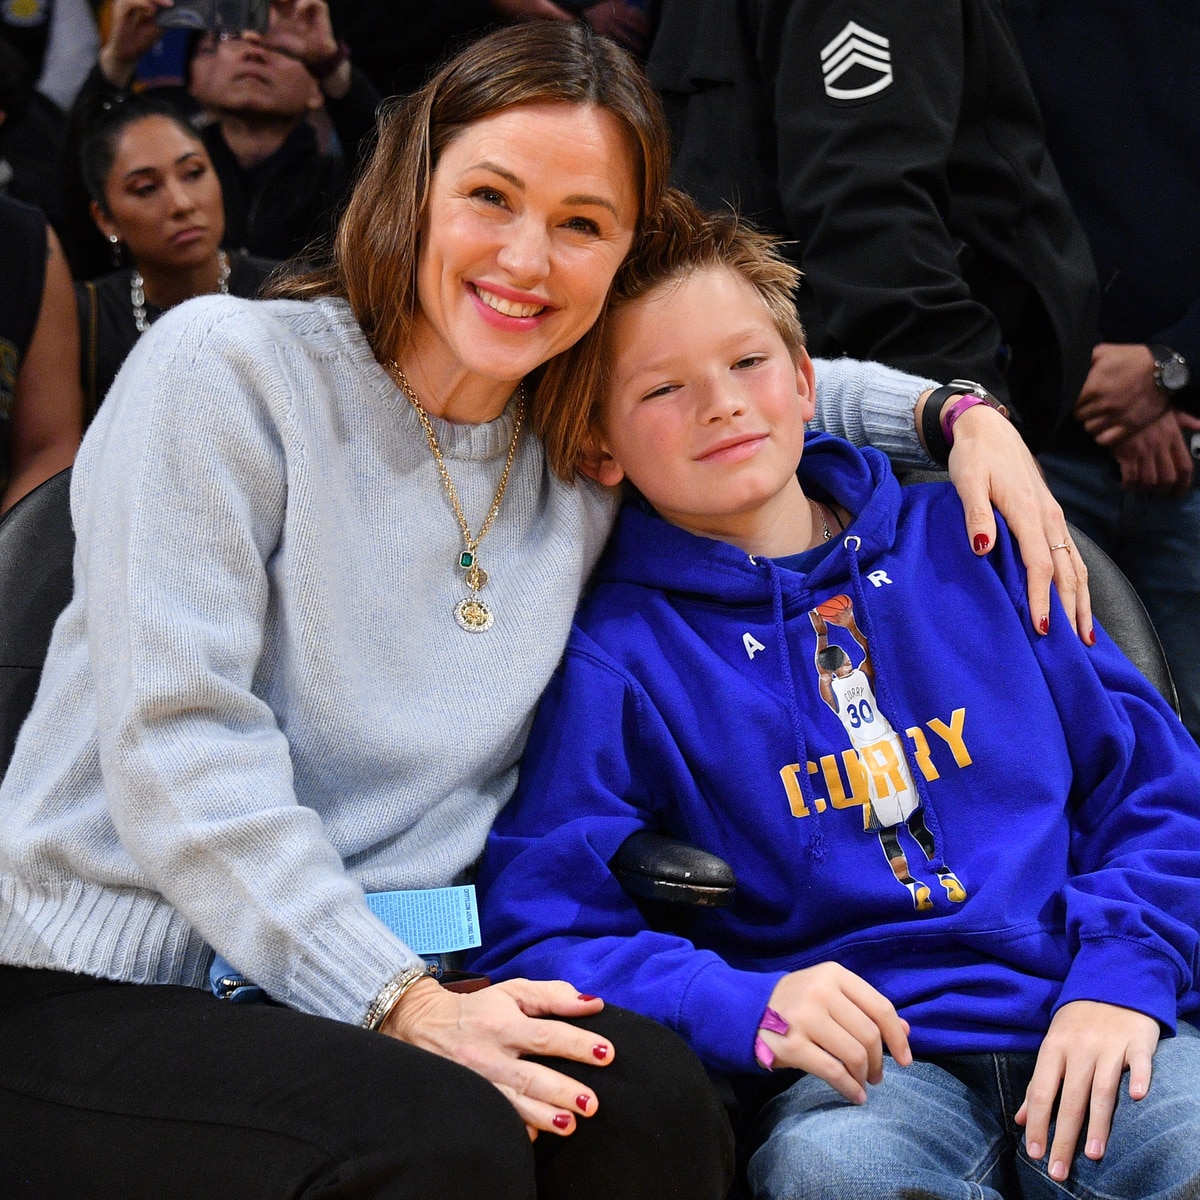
pixel 114 1091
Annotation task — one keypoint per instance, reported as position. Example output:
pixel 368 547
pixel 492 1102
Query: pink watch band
pixel 954 410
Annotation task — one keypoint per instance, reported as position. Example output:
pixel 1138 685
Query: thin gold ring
pixel 1061 546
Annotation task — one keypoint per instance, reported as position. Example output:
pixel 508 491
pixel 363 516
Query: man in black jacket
pixel 899 145
pixel 1124 127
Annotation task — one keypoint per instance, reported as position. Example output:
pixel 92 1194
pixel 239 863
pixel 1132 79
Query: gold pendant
pixel 473 615
pixel 477 577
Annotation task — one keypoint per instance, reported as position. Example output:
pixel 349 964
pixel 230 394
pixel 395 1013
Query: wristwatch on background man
pixel 944 406
pixel 1171 372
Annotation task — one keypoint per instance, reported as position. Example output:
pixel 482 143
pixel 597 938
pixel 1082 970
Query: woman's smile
pixel 508 304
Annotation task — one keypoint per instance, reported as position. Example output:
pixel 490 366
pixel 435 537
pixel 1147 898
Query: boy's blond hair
pixel 678 240
pixel 683 239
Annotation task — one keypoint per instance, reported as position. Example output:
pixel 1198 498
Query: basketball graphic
pixel 830 608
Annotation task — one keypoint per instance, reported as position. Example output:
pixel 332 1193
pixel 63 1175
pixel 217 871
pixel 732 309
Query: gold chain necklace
pixel 471 613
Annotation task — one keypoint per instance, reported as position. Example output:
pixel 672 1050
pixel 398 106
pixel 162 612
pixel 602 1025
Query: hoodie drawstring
pixel 816 840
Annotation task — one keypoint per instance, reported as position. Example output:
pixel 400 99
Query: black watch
pixel 1171 372
pixel 931 416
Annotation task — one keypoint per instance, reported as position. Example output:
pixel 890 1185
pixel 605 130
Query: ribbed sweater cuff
pixel 349 959
pixel 871 404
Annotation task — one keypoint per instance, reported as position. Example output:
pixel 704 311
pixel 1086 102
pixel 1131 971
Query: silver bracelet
pixel 391 994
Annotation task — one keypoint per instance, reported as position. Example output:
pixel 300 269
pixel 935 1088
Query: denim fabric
pixel 1155 540
pixel 943 1130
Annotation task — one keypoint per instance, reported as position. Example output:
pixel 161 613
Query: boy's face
pixel 705 407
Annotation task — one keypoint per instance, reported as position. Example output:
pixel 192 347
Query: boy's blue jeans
pixel 943 1129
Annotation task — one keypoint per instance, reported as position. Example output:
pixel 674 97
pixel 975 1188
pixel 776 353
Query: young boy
pixel 792 667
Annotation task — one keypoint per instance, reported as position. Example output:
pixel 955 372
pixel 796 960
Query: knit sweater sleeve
pixel 179 504
pixel 597 769
pixel 870 404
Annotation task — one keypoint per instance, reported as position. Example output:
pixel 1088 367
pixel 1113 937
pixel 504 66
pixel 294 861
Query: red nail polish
pixel 560 1121
pixel 1091 637
pixel 600 1052
pixel 1044 624
pixel 582 1102
pixel 981 543
pixel 585 997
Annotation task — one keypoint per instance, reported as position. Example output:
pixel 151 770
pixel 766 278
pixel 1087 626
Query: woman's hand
pixel 492 1030
pixel 1084 1053
pixel 990 465
pixel 839 1026
pixel 132 31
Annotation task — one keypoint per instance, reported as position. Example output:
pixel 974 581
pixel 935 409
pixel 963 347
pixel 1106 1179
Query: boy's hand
pixel 1085 1051
pixel 839 1026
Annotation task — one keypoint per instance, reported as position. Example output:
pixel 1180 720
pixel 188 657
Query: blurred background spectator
pixel 41 407
pixel 1123 125
pixel 32 137
pixel 57 38
pixel 397 43
pixel 155 196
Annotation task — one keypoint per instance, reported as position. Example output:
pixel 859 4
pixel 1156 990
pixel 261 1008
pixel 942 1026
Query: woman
pixel 41 410
pixel 154 192
pixel 323 575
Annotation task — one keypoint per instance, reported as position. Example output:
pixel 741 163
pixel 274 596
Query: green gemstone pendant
pixel 466 560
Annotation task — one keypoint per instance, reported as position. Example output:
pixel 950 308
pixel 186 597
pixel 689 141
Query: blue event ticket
pixel 434 921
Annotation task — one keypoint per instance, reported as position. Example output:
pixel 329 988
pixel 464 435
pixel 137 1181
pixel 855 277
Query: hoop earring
pixel 115 242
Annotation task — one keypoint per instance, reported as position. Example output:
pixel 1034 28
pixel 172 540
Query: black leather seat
pixel 37 544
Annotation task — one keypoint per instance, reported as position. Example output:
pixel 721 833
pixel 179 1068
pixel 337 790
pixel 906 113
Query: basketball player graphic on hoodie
pixel 893 799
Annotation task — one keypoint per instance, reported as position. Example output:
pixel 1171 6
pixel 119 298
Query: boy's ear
pixel 596 463
pixel 806 385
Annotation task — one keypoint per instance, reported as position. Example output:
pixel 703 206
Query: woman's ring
pixel 1061 546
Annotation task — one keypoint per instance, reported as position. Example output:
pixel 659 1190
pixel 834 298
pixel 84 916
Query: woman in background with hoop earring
pixel 156 198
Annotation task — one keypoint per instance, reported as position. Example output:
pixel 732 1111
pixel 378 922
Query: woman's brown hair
pixel 374 256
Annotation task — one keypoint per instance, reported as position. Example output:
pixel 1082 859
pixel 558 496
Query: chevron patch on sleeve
pixel 856 64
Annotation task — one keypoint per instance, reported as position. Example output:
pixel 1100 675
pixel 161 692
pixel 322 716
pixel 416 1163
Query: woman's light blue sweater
pixel 258 704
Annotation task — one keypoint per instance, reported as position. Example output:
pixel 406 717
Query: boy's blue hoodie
pixel 1058 790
